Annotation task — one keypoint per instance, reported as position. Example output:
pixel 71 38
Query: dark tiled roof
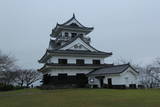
pixel 50 65
pixel 79 52
pixel 56 50
pixel 71 52
pixel 59 28
pixel 76 27
pixel 117 69
pixel 52 44
pixel 102 65
pixel 73 17
pixel 56 30
pixel 71 40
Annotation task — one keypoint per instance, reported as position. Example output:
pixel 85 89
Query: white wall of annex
pixel 127 77
pixel 131 75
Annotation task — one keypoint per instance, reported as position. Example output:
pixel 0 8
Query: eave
pixel 79 53
pixel 48 66
pixel 59 28
pixel 125 67
pixel 44 57
pixel 50 53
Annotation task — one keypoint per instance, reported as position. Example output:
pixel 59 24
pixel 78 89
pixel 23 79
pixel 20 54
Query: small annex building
pixel 117 75
pixel 70 60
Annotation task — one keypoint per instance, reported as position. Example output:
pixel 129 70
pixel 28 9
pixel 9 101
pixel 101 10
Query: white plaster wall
pixel 121 79
pixel 72 59
pixel 55 72
pixel 131 75
pixel 116 79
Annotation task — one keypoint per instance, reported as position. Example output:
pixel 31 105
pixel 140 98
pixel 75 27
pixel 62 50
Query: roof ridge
pixel 115 69
pixel 121 65
pixel 73 17
pixel 116 66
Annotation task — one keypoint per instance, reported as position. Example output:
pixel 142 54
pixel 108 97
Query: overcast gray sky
pixel 128 28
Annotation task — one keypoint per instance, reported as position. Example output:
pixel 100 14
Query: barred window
pixel 62 61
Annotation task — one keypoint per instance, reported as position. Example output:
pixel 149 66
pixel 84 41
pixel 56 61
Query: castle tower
pixel 70 56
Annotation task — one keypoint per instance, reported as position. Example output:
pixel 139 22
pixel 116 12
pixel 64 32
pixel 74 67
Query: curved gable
pixel 130 70
pixel 81 45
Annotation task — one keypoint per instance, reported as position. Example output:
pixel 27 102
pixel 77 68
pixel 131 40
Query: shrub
pixel 4 87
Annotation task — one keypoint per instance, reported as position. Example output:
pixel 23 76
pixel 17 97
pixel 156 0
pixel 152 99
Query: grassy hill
pixel 81 98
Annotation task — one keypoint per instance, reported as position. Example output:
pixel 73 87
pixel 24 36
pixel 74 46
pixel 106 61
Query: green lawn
pixel 81 98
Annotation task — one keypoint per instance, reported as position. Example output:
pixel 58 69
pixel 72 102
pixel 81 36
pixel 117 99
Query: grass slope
pixel 80 98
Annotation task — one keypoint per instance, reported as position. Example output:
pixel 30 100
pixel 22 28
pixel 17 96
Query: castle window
pixel 79 61
pixel 96 61
pixel 73 35
pixel 62 61
pixel 66 34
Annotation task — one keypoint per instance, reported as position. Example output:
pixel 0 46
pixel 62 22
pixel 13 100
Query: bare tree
pixel 8 77
pixel 155 70
pixel 31 76
pixel 122 60
pixel 150 75
pixel 145 78
pixel 158 61
pixel 7 63
pixel 27 77
pixel 7 66
pixel 20 77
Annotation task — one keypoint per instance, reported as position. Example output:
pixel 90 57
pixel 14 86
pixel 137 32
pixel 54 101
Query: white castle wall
pixel 72 60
